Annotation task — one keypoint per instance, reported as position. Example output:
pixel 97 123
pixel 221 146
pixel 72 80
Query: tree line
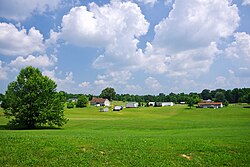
pixel 236 95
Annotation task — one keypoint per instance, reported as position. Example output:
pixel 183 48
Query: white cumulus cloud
pixel 84 84
pixel 21 9
pixel 65 83
pixel 153 83
pixel 239 53
pixel 246 2
pixel 15 42
pixel 148 2
pixel 3 71
pixel 39 61
pixel 116 27
pixel 185 42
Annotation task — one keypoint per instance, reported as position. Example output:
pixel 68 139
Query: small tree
pixel 190 102
pixel 32 101
pixel 82 101
pixel 108 93
pixel 70 104
pixel 226 103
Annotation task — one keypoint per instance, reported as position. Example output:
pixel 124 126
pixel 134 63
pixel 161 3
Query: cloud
pixel 39 61
pixel 185 42
pixel 66 83
pixel 195 24
pixel 84 84
pixel 239 53
pixel 3 71
pixel 153 83
pixel 246 2
pixel 114 78
pixel 115 27
pixel 148 2
pixel 15 42
pixel 22 9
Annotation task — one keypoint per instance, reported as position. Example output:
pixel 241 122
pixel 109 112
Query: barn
pixel 100 102
pixel 210 105
pixel 132 105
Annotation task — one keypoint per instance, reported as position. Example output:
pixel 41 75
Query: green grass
pixel 134 137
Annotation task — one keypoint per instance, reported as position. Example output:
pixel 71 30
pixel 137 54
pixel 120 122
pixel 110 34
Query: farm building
pixel 151 103
pixel 100 102
pixel 210 105
pixel 72 99
pixel 160 104
pixel 167 104
pixel 163 104
pixel 132 105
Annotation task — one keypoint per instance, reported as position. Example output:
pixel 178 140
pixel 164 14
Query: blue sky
pixel 136 47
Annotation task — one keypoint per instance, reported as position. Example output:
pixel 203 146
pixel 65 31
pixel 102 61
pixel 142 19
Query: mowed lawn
pixel 166 136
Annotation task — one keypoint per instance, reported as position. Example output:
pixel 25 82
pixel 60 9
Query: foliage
pixel 1 97
pixel 32 101
pixel 225 103
pixel 219 97
pixel 190 102
pixel 236 95
pixel 108 93
pixel 82 102
pixel 206 94
pixel 70 104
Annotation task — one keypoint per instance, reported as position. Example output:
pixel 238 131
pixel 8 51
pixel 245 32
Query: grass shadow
pixel 4 127
pixel 7 127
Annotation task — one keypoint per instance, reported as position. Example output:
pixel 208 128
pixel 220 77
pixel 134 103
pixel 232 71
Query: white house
pixel 163 104
pixel 132 105
pixel 210 105
pixel 167 104
pixel 100 102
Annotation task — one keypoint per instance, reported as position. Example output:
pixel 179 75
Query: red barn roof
pixel 97 100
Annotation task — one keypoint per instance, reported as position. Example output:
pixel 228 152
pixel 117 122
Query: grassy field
pixel 167 136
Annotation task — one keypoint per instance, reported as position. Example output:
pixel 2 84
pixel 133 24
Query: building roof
pixel 210 103
pixel 98 100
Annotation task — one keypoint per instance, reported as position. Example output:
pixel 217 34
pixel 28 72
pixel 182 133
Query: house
pixel 132 105
pixel 167 104
pixel 210 105
pixel 100 102
pixel 207 101
pixel 163 104
pixel 72 99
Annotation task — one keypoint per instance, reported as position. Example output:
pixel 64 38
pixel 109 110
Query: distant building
pixel 207 101
pixel 100 102
pixel 151 103
pixel 210 105
pixel 163 104
pixel 72 99
pixel 132 105
pixel 167 104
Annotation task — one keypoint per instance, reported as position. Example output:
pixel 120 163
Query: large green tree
pixel 82 101
pixel 219 96
pixel 108 93
pixel 32 101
